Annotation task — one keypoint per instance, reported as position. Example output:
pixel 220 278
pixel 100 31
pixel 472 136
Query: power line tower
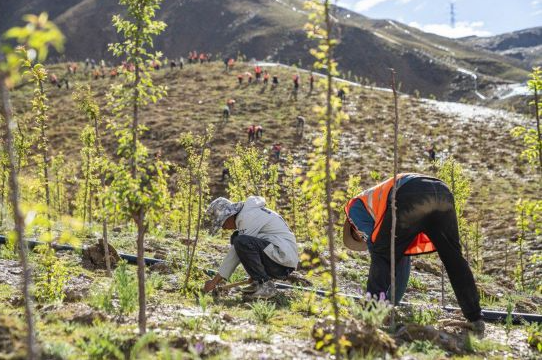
pixel 452 14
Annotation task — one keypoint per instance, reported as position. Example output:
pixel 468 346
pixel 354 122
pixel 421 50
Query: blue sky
pixel 473 17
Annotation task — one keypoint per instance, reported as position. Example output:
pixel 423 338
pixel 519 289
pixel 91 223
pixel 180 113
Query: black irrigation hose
pixel 488 315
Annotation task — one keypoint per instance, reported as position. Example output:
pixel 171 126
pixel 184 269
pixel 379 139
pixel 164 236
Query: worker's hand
pixel 211 284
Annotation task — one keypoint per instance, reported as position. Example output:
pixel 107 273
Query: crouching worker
pixel 262 243
pixel 426 222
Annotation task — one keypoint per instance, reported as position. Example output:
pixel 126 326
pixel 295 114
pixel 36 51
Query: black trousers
pixel 258 265
pixel 425 205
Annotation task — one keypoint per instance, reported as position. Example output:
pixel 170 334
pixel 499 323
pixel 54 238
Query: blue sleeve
pixel 361 218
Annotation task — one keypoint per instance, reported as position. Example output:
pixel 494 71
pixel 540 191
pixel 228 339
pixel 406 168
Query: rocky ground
pixel 225 326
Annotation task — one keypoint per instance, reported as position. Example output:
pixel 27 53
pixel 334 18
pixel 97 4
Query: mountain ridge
pixel 273 30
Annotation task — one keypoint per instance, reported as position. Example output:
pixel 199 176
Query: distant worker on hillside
pixel 311 83
pixel 202 58
pixel 342 95
pixel 231 64
pixel 54 80
pixel 300 125
pixel 172 64
pixel 262 242
pixel 251 131
pixel 249 77
pixel 296 86
pixel 275 82
pixel 258 73
pixel 277 147
pixel 231 104
pixel 240 79
pixel 431 153
pixel 426 222
pixel 259 132
pixel 181 63
pixel 225 113
pixel 225 64
pixel 265 77
pixel 225 173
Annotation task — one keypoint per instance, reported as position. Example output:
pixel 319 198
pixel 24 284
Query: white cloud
pixel 365 5
pixel 460 30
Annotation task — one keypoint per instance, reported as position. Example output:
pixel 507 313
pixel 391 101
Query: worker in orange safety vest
pixel 426 222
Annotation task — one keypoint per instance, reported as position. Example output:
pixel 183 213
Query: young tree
pixel 198 152
pixel 532 137
pixel 38 76
pixel 252 174
pixel 323 166
pixel 37 36
pixel 85 99
pixel 139 188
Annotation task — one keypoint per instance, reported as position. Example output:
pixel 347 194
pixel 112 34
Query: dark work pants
pixel 258 265
pixel 425 205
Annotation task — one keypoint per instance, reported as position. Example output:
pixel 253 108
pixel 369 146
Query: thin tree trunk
pixel 189 227
pixel 8 125
pixel 87 173
pixel 520 243
pixel 200 206
pixel 329 200
pixel 393 197
pixel 45 155
pixel 537 115
pixel 142 318
pixel 100 155
pixel 2 199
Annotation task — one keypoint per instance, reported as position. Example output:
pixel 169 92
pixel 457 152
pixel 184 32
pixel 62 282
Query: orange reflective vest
pixel 375 201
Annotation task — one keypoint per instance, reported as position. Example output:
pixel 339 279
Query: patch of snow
pixel 382 36
pixel 512 90
pixel 466 113
pixel 398 27
pixel 468 72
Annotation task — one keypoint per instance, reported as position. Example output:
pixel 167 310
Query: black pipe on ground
pixel 489 315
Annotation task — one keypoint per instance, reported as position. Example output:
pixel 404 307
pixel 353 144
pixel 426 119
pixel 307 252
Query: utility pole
pixel 452 14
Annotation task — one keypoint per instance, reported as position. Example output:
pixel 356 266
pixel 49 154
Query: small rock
pixel 227 317
pixel 162 268
pixel 94 256
pixel 77 288
pixel 424 265
pixel 80 313
pixel 117 229
pixel 16 301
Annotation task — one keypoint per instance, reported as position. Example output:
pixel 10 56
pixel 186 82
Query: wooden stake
pixel 393 198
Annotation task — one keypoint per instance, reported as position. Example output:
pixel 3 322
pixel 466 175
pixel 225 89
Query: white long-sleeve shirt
pixel 257 221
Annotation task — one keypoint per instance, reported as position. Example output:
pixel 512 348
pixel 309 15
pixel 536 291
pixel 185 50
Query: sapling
pixel 322 165
pixel 96 160
pixel 138 189
pixel 198 152
pixel 532 137
pixel 251 173
pixel 41 34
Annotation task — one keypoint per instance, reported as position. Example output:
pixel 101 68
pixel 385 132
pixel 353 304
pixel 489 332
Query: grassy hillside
pixel 477 137
pixel 228 327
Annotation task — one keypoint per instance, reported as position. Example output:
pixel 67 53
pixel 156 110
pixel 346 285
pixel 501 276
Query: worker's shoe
pixel 264 291
pixel 478 327
pixel 251 288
